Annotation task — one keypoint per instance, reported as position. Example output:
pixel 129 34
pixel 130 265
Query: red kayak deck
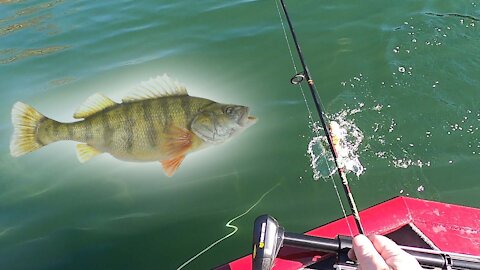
pixel 410 222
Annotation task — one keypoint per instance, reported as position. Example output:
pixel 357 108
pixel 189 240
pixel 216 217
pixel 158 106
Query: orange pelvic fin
pixel 171 165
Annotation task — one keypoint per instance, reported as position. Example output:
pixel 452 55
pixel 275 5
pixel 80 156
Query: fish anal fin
pixel 160 86
pixel 178 141
pixel 171 165
pixel 94 104
pixel 86 152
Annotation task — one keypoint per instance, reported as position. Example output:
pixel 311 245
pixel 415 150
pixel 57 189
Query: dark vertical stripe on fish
pixel 70 131
pixel 88 130
pixel 138 126
pixel 186 107
pixel 107 130
pixel 158 112
pixel 128 128
pixel 165 113
pixel 47 132
pixel 55 131
pixel 147 117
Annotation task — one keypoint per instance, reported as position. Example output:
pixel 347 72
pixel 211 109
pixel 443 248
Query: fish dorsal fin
pixel 93 105
pixel 160 86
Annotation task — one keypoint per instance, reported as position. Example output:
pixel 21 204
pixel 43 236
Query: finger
pixel 351 255
pixel 367 255
pixel 393 255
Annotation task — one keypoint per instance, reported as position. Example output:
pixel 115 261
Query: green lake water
pixel 406 73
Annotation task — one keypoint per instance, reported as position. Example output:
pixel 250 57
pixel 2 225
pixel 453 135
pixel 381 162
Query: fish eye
pixel 229 110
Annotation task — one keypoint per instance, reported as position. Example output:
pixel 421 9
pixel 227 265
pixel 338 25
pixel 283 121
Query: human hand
pixel 380 253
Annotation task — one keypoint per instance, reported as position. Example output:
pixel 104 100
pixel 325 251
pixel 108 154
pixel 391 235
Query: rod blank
pixel 316 99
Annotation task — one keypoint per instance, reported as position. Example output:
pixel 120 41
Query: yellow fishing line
pixel 228 225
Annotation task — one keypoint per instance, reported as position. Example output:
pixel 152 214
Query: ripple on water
pixel 37 17
pixel 10 1
pixel 12 28
pixel 13 55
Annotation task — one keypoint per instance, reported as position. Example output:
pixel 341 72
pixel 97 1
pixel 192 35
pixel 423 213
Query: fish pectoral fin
pixel 178 141
pixel 94 104
pixel 171 165
pixel 85 152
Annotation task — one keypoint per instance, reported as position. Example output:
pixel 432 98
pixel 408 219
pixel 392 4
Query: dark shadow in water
pixel 453 15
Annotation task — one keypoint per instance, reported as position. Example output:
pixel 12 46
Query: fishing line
pixel 228 225
pixel 314 128
pixel 295 66
pixel 297 79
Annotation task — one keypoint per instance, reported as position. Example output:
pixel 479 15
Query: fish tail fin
pixel 26 121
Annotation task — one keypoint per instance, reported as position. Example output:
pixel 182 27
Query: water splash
pixel 321 160
pixel 349 139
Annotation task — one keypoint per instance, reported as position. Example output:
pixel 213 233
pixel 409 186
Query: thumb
pixel 367 256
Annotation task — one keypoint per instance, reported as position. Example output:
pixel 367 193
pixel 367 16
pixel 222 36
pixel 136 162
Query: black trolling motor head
pixel 269 237
pixel 267 241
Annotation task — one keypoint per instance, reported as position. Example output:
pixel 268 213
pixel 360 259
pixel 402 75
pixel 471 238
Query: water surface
pixel 405 73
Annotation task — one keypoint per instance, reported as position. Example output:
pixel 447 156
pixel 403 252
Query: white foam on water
pixel 321 160
pixel 405 163
pixel 350 137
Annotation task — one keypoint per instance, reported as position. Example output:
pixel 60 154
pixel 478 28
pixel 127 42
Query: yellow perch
pixel 161 122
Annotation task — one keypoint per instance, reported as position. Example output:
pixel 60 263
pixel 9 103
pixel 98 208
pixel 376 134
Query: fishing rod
pixel 269 237
pixel 298 78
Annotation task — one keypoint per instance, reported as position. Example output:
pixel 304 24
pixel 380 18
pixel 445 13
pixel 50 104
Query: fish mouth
pixel 246 119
